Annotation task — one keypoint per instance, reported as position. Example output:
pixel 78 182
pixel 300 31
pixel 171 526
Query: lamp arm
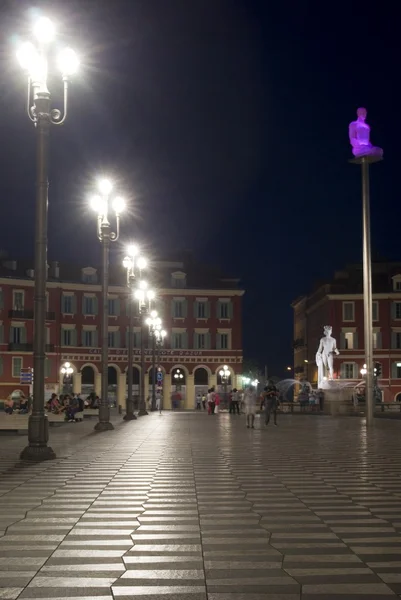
pixel 56 118
pixel 29 108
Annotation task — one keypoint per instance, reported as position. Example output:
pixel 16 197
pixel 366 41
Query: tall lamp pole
pixel 365 154
pixel 66 372
pixel 144 297
pixel 154 323
pixel 160 336
pixel 225 374
pixel 33 60
pixel 100 205
pixel 131 262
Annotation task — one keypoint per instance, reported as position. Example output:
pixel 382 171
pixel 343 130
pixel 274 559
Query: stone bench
pixel 19 423
pixel 91 412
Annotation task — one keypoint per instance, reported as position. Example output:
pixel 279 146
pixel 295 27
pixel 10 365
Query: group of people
pixel 72 406
pixel 22 408
pixel 269 403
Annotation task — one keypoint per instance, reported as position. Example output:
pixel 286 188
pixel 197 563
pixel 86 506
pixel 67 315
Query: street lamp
pixel 364 370
pixel 66 371
pixel 144 297
pixel 101 205
pixel 154 323
pixel 225 375
pixel 132 262
pixel 160 337
pixel 33 59
pixel 178 377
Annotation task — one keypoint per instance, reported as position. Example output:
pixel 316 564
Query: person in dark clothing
pixel 271 402
pixel 234 404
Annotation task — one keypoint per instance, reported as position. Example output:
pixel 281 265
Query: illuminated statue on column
pixel 359 136
pixel 324 356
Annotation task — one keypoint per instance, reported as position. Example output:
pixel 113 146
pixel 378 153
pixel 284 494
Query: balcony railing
pixel 20 313
pixel 16 347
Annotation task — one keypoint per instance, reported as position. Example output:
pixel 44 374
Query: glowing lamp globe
pixel 118 205
pixel 127 262
pixel 132 250
pixel 28 57
pixel 98 205
pixel 68 62
pixel 44 30
pixel 151 295
pixel 105 186
pixel 142 262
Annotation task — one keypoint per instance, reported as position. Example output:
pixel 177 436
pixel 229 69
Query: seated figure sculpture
pixel 359 136
pixel 324 356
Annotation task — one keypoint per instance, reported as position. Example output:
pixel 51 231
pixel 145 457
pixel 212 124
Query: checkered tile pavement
pixel 196 507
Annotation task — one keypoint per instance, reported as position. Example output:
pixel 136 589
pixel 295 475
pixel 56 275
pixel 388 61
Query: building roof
pixel 197 276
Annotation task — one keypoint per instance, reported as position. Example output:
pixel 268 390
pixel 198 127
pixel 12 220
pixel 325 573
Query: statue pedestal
pixel 338 400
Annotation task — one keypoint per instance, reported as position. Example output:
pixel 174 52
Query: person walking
pixel 234 404
pixel 270 402
pixel 204 398
pixel 250 400
pixel 216 403
pixel 198 401
pixel 211 401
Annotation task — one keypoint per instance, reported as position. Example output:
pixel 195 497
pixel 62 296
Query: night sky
pixel 225 123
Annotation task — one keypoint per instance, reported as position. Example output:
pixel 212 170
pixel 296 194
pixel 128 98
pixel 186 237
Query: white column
pixel 121 389
pixel 98 384
pixel 190 395
pixel 77 383
pixel 167 391
pixel 213 381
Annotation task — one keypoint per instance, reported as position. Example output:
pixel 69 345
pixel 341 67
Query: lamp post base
pixel 37 453
pixel 129 417
pixel 103 426
pixel 142 412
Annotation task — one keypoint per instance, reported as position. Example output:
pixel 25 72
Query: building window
pixel 177 341
pixel 68 305
pixel 397 285
pixel 202 341
pixel 179 308
pixel 349 340
pixel 396 340
pixel 375 311
pixel 396 370
pixel 377 340
pixel 396 310
pixel 89 275
pixel 178 280
pixel 68 337
pixel 89 306
pixel 89 338
pixel 348 370
pixel 224 341
pixel 201 310
pixel 348 311
pixel 137 339
pixel 224 310
pixel 114 307
pixel 16 366
pixel 18 300
pixel 114 339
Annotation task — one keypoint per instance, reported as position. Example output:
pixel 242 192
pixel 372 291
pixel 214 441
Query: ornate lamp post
pixel 100 205
pixel 160 337
pixel 33 59
pixel 154 323
pixel 144 297
pixel 67 371
pixel 178 377
pixel 131 262
pixel 225 376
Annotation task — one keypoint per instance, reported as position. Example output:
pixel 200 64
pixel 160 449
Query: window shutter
pixel 218 341
pixel 393 310
pixel 207 309
pixel 342 341
pixel 342 371
pixel 394 370
pixel 185 308
pixel 94 339
pixel 184 340
pixel 22 335
pixel 11 335
pixel 74 304
pixel 83 306
pixel 95 306
pixel 355 341
pixel 378 339
pixel 1 299
pixel 117 307
pixel 230 310
pixel 117 339
pixel 1 334
pixel 218 304
pixel 393 339
pixel 207 341
pixel 196 308
pixel 172 308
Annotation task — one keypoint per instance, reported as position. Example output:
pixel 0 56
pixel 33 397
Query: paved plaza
pixel 196 507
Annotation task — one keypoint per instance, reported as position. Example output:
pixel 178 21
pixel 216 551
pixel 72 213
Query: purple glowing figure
pixel 359 136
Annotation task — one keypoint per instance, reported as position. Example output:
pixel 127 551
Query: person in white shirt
pixel 250 400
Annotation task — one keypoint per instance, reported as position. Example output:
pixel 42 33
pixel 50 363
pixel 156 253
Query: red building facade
pixel 201 312
pixel 340 304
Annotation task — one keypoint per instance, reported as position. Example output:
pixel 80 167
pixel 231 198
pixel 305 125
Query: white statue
pixel 324 356
pixel 359 137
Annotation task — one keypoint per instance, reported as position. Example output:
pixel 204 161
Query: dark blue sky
pixel 225 123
